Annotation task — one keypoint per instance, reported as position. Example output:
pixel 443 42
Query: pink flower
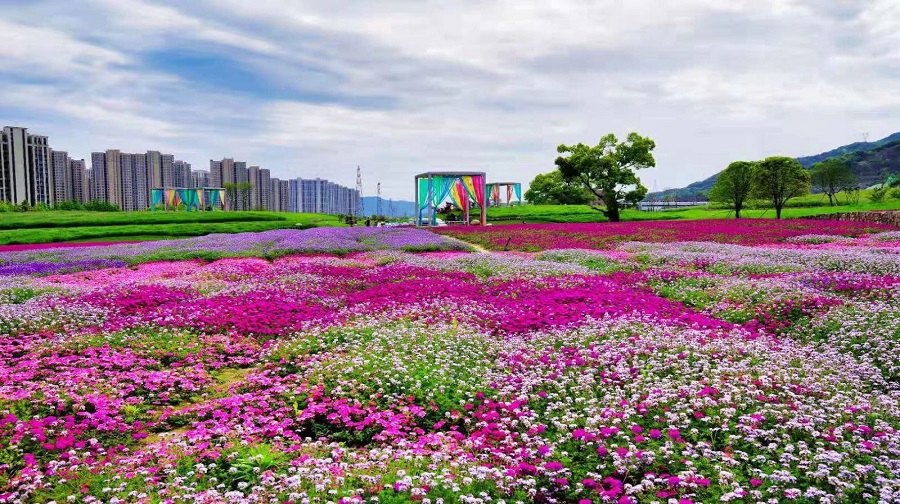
pixel 655 434
pixel 756 482
pixel 553 466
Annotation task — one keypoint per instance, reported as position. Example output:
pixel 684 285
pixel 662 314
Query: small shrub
pixel 877 195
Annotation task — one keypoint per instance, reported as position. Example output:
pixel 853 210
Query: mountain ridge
pixel 866 159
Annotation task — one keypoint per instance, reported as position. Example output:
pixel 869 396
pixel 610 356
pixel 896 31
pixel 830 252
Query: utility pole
pixel 378 201
pixel 359 208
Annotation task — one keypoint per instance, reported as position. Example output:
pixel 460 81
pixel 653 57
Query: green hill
pixel 867 159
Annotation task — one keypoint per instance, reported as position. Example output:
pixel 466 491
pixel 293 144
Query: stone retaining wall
pixel 891 218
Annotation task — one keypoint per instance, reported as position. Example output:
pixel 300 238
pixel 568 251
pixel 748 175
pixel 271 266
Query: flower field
pixel 671 364
pixel 537 237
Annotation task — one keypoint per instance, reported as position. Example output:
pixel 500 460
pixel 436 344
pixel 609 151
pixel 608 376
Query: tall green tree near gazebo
pixel 608 169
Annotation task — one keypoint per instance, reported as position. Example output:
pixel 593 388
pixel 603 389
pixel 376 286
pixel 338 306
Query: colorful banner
pixel 171 198
pixel 475 186
pixel 509 194
pixel 518 189
pixel 460 195
pixel 157 197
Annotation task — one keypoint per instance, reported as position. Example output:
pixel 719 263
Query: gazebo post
pixel 431 221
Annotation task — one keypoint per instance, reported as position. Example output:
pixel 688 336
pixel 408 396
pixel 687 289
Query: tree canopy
pixel 552 189
pixel 832 176
pixel 778 179
pixel 733 186
pixel 608 169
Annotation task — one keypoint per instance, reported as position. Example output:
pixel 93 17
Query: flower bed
pixel 536 237
pixel 681 372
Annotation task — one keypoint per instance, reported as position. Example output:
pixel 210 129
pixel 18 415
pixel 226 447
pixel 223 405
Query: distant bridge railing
pixel 656 206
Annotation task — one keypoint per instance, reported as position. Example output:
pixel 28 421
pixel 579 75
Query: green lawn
pixel 49 227
pixel 814 204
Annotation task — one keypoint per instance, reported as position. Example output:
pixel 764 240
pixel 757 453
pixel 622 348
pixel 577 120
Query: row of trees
pixel 605 174
pixel 235 190
pixel 776 179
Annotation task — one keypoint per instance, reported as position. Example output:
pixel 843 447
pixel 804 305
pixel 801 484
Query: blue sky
pixel 315 88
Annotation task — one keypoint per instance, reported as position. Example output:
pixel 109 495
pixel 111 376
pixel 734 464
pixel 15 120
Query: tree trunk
pixel 831 199
pixel 778 211
pixel 612 211
pixel 737 212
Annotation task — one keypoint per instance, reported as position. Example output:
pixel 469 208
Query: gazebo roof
pixel 449 174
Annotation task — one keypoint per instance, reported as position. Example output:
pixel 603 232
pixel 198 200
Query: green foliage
pixel 778 179
pixel 733 186
pixel 877 195
pixel 895 193
pixel 100 206
pixel 552 189
pixel 608 169
pixel 832 176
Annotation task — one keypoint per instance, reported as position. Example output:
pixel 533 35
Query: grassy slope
pixel 48 227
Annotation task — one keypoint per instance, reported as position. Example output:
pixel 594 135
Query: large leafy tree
pixel 552 189
pixel 778 179
pixel 831 176
pixel 733 186
pixel 608 169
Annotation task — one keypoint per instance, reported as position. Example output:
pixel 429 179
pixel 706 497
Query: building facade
pixel 202 178
pixel 80 185
pixel 26 175
pixel 62 176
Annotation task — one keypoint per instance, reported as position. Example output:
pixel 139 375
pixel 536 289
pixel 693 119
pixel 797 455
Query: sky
pixel 400 87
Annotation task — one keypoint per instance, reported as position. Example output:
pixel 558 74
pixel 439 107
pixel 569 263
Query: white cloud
pixel 33 50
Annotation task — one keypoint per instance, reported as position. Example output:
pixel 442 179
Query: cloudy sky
pixel 315 88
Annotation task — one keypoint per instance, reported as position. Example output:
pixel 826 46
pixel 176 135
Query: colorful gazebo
pixel 464 188
pixel 196 198
pixel 513 189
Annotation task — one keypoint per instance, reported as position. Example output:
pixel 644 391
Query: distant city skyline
pixel 315 88
pixel 32 172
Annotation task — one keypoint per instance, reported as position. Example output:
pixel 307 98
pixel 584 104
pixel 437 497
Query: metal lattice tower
pixel 378 201
pixel 359 208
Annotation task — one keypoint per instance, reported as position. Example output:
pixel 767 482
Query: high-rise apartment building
pixel 265 189
pixel 135 175
pixel 284 195
pixel 113 169
pixel 168 171
pixel 62 176
pixel 222 172
pixel 253 178
pixel 25 167
pixel 98 177
pixel 155 169
pixel 80 186
pixel 275 194
pixel 202 178
pixel 182 174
